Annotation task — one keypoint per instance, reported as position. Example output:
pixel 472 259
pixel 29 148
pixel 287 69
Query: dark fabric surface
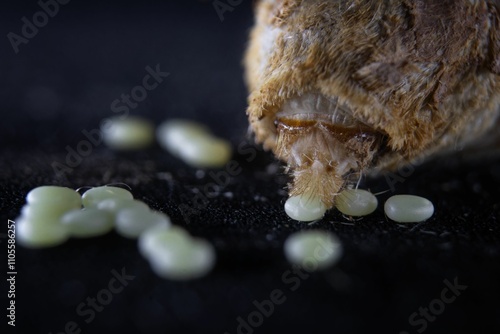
pixel 62 83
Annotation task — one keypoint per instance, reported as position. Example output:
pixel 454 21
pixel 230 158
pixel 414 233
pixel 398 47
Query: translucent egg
pixel 39 234
pixel 174 254
pixel 313 249
pixel 129 133
pixel 206 152
pixel 408 208
pixel 356 202
pixel 49 212
pixel 95 195
pixel 87 223
pixel 305 208
pixel 184 259
pixel 193 143
pixel 153 237
pixel 113 205
pixel 132 222
pixel 173 134
pixel 64 197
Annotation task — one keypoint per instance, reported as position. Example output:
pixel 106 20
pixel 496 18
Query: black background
pixel 63 82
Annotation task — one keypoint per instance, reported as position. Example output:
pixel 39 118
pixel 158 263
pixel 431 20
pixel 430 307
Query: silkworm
pixel 344 87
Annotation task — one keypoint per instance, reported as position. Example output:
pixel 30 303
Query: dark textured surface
pixel 63 81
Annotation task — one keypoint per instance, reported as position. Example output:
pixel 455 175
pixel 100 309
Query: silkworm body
pixel 346 87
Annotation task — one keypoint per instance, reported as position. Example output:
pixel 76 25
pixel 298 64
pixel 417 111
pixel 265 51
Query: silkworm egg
pixel 132 222
pixel 113 205
pixel 188 258
pixel 46 211
pixel 206 152
pixel 87 223
pixel 129 133
pixel 173 134
pixel 193 143
pixel 95 195
pixel 408 208
pixel 39 233
pixel 151 239
pixel 313 249
pixel 305 208
pixel 64 197
pixel 356 202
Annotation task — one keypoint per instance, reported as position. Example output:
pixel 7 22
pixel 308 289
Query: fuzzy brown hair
pixel 410 77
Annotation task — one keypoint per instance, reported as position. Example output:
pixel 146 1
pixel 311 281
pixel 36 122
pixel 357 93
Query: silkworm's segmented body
pixel 342 87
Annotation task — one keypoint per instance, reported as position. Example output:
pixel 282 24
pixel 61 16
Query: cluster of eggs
pixel 54 214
